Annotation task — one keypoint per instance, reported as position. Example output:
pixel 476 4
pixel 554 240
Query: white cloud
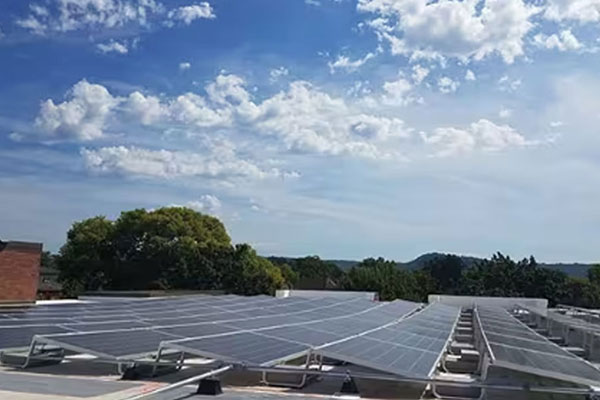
pixel 147 109
pixel 277 73
pixel 219 163
pixel 113 46
pixel 16 136
pixel 359 89
pixel 301 118
pixel 32 24
pixel 583 11
pixel 399 92
pixel 184 66
pixel 470 76
pixel 82 116
pixel 419 73
pixel 470 29
pixel 481 135
pixel 207 204
pixel 564 41
pixel 556 124
pixel 507 85
pixel 188 14
pixel 72 15
pixel 348 65
pixel 505 113
pixel 447 85
pixel 309 120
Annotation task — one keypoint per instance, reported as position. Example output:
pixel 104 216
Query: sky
pixel 343 128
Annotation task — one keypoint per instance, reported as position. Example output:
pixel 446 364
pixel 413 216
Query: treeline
pixel 168 248
pixel 497 276
pixel 178 248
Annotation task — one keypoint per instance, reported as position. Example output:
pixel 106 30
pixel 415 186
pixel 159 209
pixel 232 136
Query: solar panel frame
pixel 278 350
pixel 195 345
pixel 343 350
pixel 325 309
pixel 227 316
pixel 16 338
pixel 534 361
pixel 111 344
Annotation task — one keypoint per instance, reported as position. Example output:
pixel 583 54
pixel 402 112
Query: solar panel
pixel 21 337
pixel 522 349
pixel 244 347
pixel 113 343
pixel 301 334
pixel 196 330
pixel 28 321
pixel 279 328
pixel 264 322
pixel 411 347
pixel 383 356
pixel 106 326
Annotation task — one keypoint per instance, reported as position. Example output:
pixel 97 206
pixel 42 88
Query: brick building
pixel 19 271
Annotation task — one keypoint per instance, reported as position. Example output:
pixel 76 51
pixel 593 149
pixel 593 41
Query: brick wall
pixel 19 270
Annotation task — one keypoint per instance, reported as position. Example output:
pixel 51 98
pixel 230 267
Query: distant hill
pixel 572 269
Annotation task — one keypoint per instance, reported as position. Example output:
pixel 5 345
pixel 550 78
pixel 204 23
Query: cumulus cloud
pixel 447 85
pixel 470 76
pixel 184 66
pixel 399 92
pixel 419 73
pixel 507 84
pixel 301 118
pixel 482 135
pixel 564 41
pixel 147 109
pixel 218 163
pixel 348 65
pixel 466 30
pixel 113 46
pixel 83 116
pixel 583 11
pixel 505 112
pixel 206 204
pixel 188 14
pixel 276 73
pixel 63 16
pixel 72 15
pixel 309 120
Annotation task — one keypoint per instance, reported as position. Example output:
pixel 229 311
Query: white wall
pixel 327 293
pixel 470 301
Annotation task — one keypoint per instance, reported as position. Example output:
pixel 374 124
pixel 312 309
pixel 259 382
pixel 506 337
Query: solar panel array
pixel 257 330
pixel 410 347
pixel 575 331
pixel 265 342
pixel 514 345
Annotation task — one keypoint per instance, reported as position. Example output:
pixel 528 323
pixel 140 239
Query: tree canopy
pixel 168 248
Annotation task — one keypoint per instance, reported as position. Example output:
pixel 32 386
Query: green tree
pixel 594 274
pixel 250 274
pixel 314 273
pixel 384 277
pixel 84 259
pixel 289 275
pixel 446 272
pixel 168 248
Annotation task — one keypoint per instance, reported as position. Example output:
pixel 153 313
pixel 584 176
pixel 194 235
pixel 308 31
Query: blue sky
pixel 344 128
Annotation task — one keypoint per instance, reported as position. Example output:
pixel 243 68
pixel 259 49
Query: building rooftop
pixel 262 347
